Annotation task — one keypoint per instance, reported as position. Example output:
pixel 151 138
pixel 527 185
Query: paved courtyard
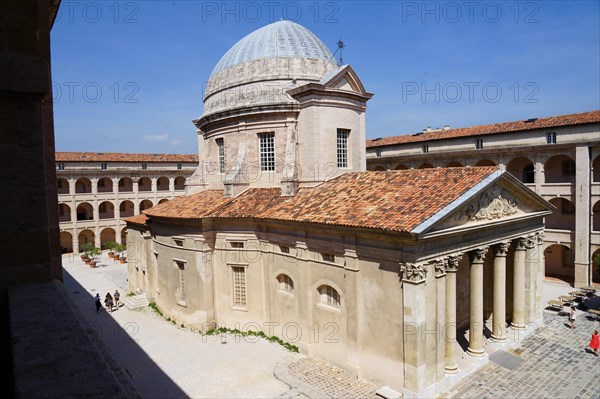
pixel 165 360
pixel 553 363
pixel 168 361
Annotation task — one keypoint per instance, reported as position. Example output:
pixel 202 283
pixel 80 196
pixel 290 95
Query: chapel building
pixel 282 229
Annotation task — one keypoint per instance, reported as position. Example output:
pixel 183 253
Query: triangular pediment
pixel 500 199
pixel 343 78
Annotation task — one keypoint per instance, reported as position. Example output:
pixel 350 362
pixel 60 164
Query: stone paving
pixel 314 378
pixel 557 364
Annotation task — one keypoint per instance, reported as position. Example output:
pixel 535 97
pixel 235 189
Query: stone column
pixel 416 376
pixel 476 303
pixel 541 274
pixel 72 186
pixel 450 327
pixel 440 316
pixel 518 316
pixel 581 246
pixel 531 276
pixel 499 305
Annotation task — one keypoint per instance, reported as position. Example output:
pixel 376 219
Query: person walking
pixel 98 302
pixel 116 295
pixel 108 302
pixel 572 317
pixel 595 342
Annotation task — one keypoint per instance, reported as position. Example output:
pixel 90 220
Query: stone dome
pixel 279 39
pixel 262 66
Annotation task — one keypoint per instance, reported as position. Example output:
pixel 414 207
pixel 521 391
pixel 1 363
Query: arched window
pixel 329 296
pixel 285 283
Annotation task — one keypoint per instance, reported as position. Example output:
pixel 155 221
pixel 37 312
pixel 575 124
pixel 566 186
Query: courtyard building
pixel 558 157
pixel 96 190
pixel 282 229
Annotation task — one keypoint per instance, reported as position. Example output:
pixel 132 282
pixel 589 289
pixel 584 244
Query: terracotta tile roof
pixel 123 157
pixel 496 128
pixel 195 206
pixel 251 203
pixel 140 219
pixel 392 200
pixel 396 200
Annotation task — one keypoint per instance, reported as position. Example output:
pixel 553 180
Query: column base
pixel 518 326
pixel 475 352
pixel 499 340
pixel 452 369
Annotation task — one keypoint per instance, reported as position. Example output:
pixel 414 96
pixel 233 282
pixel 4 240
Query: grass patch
pixel 275 339
pixel 153 306
pixel 130 293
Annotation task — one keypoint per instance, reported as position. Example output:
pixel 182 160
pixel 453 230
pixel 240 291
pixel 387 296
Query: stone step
pixel 136 302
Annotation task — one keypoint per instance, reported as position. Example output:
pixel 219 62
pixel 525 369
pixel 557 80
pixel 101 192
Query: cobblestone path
pixel 557 364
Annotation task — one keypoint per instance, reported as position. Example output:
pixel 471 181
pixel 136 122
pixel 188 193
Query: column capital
pixel 439 265
pixel 452 262
pixel 478 255
pixel 521 243
pixel 530 242
pixel 540 238
pixel 413 272
pixel 502 249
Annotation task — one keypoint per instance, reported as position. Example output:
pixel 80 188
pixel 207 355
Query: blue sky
pixel 128 76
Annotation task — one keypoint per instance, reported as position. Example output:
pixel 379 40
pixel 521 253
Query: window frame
pixel 180 291
pixel 104 166
pixel 329 297
pixel 60 166
pixel 221 154
pixel 425 148
pixel 144 166
pixel 342 145
pixel 551 138
pixel 243 288
pixel 266 151
pixel 285 284
pixel 479 144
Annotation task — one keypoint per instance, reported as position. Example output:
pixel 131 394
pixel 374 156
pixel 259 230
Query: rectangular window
pixel 103 166
pixel 425 148
pixel 221 147
pixel 267 151
pixel 342 147
pixel 178 166
pixel 181 294
pixel 568 168
pixel 60 166
pixel 551 138
pixel 178 242
pixel 378 153
pixel 284 249
pixel 237 244
pixel 328 257
pixel 144 166
pixel 239 285
pixel 479 144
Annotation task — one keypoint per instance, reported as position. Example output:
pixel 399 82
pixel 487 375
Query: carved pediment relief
pixel 493 204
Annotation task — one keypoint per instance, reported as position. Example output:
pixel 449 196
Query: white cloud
pixel 176 142
pixel 152 138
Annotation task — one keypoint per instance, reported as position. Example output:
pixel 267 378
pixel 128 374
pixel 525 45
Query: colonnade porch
pixel 498 312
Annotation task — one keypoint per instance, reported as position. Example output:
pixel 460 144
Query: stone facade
pixel 375 272
pixel 559 160
pixel 96 190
